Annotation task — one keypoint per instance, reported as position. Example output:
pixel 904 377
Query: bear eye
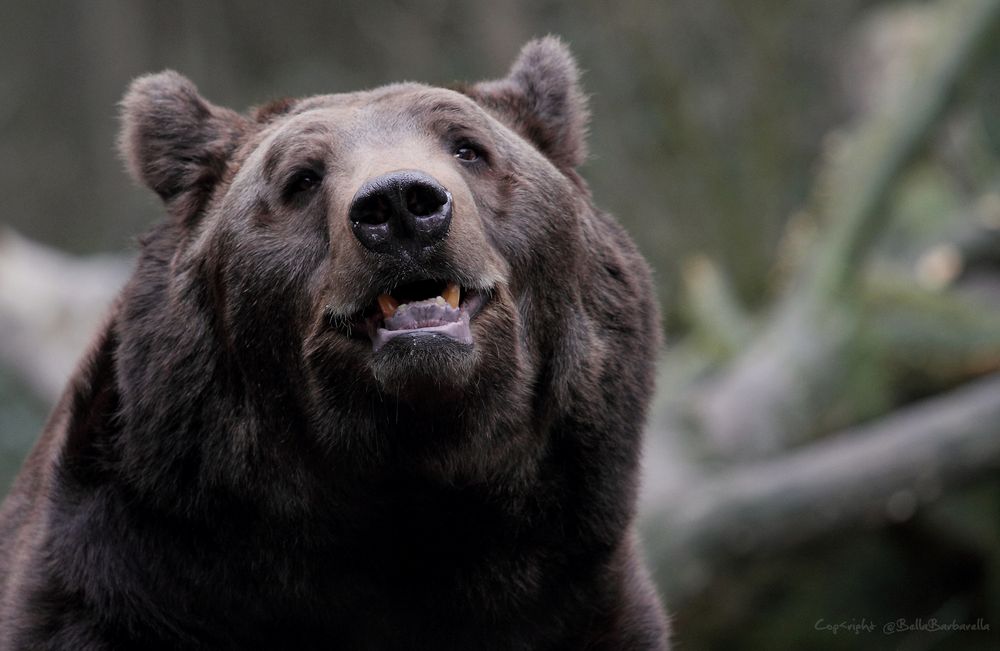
pixel 303 181
pixel 467 152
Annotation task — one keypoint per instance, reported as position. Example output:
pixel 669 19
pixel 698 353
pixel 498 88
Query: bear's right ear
pixel 175 142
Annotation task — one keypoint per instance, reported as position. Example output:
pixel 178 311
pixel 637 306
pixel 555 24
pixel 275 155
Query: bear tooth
pixel 388 305
pixel 452 293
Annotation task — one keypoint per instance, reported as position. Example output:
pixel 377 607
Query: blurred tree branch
pixel 50 305
pixel 862 171
pixel 879 472
pixel 768 396
pixel 783 374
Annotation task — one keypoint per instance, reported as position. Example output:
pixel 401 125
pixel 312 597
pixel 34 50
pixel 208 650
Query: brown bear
pixel 377 382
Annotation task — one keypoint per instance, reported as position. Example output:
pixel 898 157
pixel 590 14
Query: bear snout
pixel 400 212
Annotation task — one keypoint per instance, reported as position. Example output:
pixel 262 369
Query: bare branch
pixel 763 402
pixel 50 305
pixel 871 474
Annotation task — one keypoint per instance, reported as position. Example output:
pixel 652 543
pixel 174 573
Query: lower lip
pixel 458 331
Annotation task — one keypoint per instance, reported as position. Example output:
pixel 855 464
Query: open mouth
pixel 424 308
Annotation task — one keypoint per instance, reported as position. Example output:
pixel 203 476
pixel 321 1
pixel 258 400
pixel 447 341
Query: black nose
pixel 400 211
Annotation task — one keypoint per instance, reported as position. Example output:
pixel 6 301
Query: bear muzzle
pixel 402 216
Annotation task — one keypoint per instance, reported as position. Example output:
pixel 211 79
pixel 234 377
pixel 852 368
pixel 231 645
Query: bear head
pixel 408 276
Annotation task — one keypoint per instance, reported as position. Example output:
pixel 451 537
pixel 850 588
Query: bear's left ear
pixel 541 99
pixel 176 142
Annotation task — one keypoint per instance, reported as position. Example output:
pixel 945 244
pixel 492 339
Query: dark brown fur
pixel 228 469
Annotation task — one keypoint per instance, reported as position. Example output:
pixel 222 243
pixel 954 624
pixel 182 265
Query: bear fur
pixel 233 465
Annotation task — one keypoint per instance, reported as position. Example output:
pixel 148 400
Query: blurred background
pixel 816 184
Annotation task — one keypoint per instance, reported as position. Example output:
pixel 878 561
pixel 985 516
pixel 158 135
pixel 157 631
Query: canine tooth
pixel 388 305
pixel 452 294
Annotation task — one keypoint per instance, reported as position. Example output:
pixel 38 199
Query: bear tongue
pixel 451 295
pixel 417 314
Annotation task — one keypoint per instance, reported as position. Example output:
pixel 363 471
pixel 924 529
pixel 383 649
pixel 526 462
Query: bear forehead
pixel 400 94
pixel 405 117
pixel 315 127
pixel 390 108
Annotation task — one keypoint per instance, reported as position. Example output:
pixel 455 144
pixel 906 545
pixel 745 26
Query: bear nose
pixel 396 211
